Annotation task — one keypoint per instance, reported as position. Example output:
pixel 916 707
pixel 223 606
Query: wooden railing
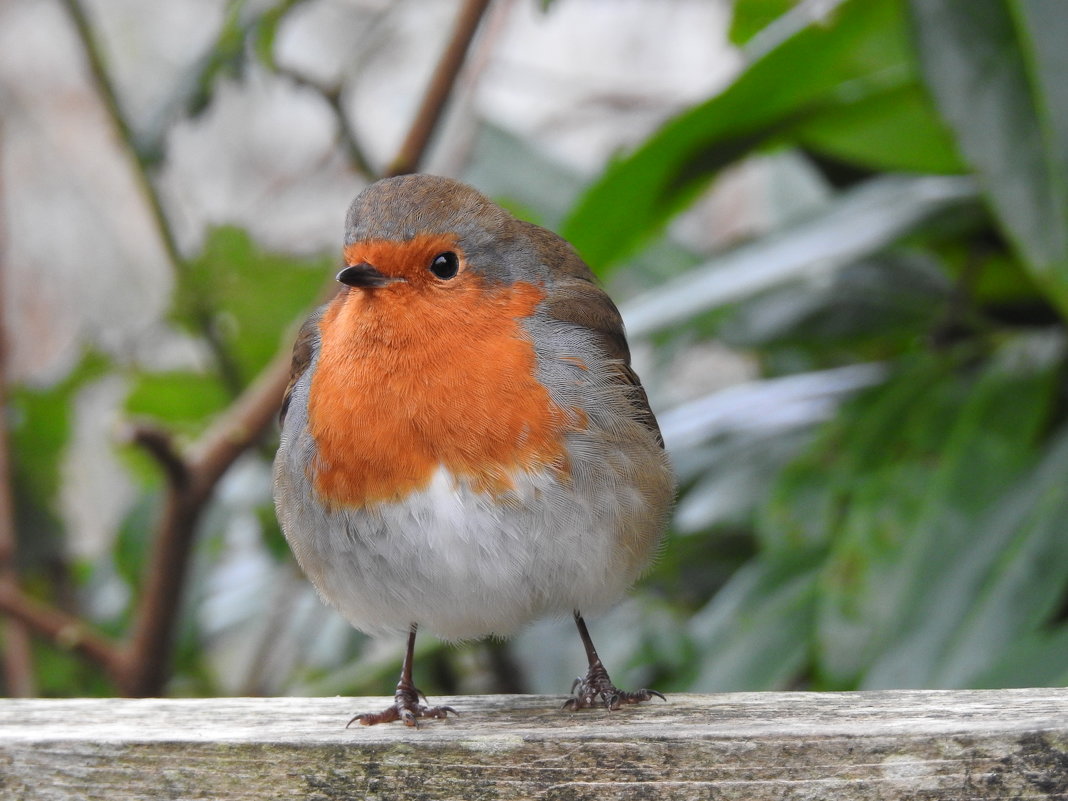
pixel 1002 744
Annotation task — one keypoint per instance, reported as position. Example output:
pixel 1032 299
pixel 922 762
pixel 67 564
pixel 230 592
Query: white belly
pixel 463 564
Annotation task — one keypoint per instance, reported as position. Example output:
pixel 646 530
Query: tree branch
pixel 17 657
pixel 159 444
pixel 64 630
pixel 207 461
pixel 440 88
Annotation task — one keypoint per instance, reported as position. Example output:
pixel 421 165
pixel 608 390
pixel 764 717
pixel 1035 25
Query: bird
pixel 464 444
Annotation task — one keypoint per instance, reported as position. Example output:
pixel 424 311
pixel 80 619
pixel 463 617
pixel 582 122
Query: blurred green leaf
pixel 993 274
pixel 889 300
pixel 62 673
pixel 750 17
pixel 1034 660
pixel 862 43
pixel 894 128
pixel 854 225
pixel 185 400
pixel 756 632
pixel 271 535
pixel 811 499
pixel 733 475
pixel 265 31
pixel 224 59
pixel 996 70
pixel 39 423
pixel 1003 587
pixel 911 512
pixel 254 296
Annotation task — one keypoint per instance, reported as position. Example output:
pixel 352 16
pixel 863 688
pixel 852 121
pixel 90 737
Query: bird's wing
pixel 576 298
pixel 303 349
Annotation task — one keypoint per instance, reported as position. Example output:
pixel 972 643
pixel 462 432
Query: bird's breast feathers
pixel 404 383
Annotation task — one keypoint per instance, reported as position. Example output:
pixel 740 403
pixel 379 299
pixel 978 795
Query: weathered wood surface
pixel 752 746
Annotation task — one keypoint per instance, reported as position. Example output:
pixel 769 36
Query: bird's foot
pixel 596 689
pixel 406 707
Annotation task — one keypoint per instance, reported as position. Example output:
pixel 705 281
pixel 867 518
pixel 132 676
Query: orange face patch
pixel 426 373
pixel 408 260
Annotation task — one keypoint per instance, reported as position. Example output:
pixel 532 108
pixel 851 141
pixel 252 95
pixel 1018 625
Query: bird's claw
pixel 405 708
pixel 596 689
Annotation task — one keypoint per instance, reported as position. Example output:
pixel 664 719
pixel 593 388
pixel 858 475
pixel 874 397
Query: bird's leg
pixel 596 687
pixel 406 704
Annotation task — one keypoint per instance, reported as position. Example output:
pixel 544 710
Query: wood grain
pixel 754 746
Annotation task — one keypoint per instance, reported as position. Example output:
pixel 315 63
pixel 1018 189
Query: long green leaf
pixel 756 630
pixel 894 129
pixel 800 77
pixel 996 70
pixel 996 593
pixel 750 17
pixel 1027 578
pixel 1037 660
pixel 808 504
pixel 913 515
pixel 854 225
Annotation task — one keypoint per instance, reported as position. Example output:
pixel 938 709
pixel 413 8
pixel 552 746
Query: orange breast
pixel 410 379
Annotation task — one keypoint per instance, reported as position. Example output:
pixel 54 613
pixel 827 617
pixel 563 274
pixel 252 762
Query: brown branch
pixel 64 630
pixel 14 634
pixel 160 445
pixel 148 661
pixel 17 656
pixel 440 88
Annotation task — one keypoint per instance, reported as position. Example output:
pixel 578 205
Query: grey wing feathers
pixel 577 299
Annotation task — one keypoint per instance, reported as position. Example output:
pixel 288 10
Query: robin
pixel 465 446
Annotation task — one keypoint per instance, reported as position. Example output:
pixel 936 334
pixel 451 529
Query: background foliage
pixel 884 506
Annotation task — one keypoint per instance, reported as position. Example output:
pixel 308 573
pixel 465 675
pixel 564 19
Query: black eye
pixel 445 265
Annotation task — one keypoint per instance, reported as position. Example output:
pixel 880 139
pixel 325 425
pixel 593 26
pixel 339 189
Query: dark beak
pixel 365 276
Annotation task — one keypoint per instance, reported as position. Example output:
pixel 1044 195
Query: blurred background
pixel 837 230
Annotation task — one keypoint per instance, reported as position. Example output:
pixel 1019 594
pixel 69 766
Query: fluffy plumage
pixel 470 453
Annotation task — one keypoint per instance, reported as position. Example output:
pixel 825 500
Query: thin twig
pixel 332 95
pixel 441 85
pixel 140 164
pixel 106 90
